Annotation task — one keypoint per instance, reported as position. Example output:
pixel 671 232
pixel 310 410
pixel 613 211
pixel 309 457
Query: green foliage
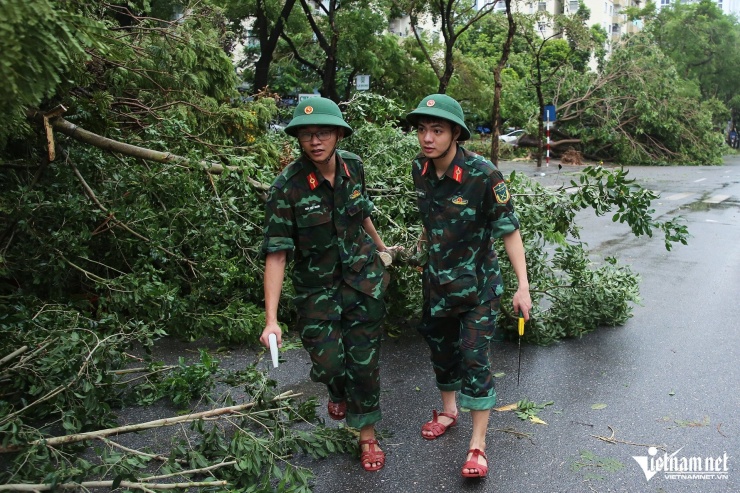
pixel 526 409
pixel 249 451
pixel 101 252
pixel 576 294
pixel 702 42
pixel 40 41
pixel 63 376
pixel 181 385
pixel 641 111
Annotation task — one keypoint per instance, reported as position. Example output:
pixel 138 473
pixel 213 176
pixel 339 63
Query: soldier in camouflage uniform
pixel 464 205
pixel 318 215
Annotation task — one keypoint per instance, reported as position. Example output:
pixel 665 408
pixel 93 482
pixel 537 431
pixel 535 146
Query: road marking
pixel 679 196
pixel 700 179
pixel 716 199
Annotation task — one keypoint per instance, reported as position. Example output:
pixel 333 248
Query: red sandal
pixel 480 470
pixel 437 428
pixel 372 455
pixel 337 410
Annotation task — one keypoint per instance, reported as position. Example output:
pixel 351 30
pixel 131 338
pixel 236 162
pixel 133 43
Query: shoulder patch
pixel 501 192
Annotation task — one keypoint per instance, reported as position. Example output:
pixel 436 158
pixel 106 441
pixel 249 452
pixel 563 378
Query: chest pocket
pixel 354 207
pixel 459 212
pixel 314 229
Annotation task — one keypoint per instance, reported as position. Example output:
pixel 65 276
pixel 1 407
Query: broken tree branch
pixel 108 484
pixel 159 423
pixel 12 355
pixel 613 440
pixel 80 134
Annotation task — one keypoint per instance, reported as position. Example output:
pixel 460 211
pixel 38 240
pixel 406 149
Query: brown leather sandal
pixel 337 410
pixel 435 427
pixel 372 455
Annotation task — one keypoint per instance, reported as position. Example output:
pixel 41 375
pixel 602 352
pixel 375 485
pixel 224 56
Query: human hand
pixel 390 254
pixel 271 328
pixel 522 302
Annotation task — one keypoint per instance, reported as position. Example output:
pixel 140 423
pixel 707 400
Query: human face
pixel 435 137
pixel 310 139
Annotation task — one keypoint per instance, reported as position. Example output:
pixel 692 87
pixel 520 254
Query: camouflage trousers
pixel 460 353
pixel 345 353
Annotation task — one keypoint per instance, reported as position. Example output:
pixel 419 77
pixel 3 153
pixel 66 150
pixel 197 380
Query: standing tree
pixel 331 36
pixel 269 18
pixel 703 42
pixel 455 17
pixel 498 84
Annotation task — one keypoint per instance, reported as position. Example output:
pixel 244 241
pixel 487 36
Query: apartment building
pixel 401 27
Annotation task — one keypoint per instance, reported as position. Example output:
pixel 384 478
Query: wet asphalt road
pixel 668 377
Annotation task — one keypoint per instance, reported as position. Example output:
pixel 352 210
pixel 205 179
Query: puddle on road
pixel 701 206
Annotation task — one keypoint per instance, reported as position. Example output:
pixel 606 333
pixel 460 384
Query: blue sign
pixel 549 113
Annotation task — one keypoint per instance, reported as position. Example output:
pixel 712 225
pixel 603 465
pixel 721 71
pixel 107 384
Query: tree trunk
pixel 268 42
pixel 444 81
pixel 498 84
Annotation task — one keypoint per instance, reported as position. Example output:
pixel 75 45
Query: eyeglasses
pixel 321 135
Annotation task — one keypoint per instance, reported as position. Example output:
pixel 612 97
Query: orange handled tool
pixel 521 333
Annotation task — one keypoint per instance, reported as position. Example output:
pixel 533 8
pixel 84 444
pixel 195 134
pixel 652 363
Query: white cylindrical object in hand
pixel 272 338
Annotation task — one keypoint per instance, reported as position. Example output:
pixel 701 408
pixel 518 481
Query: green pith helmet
pixel 317 111
pixel 440 106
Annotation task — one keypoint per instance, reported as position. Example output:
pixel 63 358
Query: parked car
pixel 511 137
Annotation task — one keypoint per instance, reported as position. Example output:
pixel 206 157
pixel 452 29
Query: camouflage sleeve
pixel 499 207
pixel 279 228
pixel 367 205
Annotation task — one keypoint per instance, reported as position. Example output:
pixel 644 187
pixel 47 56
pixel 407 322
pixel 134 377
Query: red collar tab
pixel 346 169
pixel 424 169
pixel 312 181
pixel 457 174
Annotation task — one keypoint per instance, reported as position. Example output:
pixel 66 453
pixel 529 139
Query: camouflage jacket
pixel 463 212
pixel 322 227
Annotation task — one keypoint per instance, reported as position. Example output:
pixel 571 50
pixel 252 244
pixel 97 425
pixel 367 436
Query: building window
pixel 542 6
pixel 573 6
pixel 665 3
pixel 541 26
